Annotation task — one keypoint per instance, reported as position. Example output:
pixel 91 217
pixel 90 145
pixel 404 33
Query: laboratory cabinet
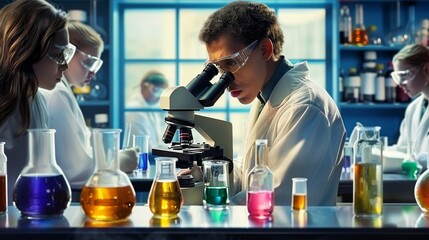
pixel 386 23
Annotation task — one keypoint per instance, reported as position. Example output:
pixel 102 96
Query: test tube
pixel 299 194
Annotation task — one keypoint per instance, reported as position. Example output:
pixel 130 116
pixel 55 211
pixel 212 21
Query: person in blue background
pixel 301 121
pixel 411 73
pixel 72 138
pixel 150 123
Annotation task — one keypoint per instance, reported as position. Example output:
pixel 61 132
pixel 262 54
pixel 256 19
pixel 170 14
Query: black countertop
pixel 195 222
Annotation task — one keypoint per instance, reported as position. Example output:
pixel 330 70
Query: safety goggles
pixel 234 62
pixel 404 76
pixel 61 54
pixel 91 63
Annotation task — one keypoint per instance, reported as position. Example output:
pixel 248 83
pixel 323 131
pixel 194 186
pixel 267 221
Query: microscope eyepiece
pixel 210 97
pixel 201 82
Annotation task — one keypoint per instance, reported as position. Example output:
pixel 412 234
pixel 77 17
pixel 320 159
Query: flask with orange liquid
pixel 359 34
pixel 108 194
pixel 165 197
pixel 421 191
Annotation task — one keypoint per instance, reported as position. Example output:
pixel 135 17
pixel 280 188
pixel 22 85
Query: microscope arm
pixel 215 132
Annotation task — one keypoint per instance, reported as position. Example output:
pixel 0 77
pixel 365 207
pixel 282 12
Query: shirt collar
pixel 283 67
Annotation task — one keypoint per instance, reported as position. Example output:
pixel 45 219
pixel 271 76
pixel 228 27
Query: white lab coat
pixel 73 149
pixel 305 135
pixel 412 128
pixel 16 147
pixel 148 122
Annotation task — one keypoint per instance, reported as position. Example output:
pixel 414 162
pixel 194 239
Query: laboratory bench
pixel 195 222
pixel 397 188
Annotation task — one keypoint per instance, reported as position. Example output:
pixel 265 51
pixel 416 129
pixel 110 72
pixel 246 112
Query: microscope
pixel 181 103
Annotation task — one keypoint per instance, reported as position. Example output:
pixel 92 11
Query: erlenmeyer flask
pixel 41 189
pixel 399 36
pixel 108 194
pixel 165 196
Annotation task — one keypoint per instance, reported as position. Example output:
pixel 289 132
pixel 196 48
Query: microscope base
pixel 193 195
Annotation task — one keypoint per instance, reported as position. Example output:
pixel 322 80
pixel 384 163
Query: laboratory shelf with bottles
pixel 384 21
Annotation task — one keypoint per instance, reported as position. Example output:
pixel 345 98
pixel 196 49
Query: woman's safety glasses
pixel 404 76
pixel 234 62
pixel 61 54
pixel 91 63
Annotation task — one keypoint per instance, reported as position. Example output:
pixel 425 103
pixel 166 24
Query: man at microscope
pixel 303 125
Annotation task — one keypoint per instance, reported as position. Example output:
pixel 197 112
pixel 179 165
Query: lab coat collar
pixel 290 81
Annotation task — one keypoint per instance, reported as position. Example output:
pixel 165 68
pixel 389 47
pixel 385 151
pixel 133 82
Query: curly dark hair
pixel 246 22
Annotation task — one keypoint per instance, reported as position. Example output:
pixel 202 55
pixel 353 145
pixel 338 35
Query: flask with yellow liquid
pixel 165 197
pixel 108 195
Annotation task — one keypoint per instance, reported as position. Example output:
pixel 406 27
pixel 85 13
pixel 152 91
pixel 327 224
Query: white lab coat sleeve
pixel 73 154
pixel 300 150
pixel 404 132
pixel 238 174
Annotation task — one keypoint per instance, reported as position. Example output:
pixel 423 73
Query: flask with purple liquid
pixel 260 183
pixel 41 190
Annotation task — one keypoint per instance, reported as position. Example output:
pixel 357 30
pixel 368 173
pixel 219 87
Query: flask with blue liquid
pixel 41 190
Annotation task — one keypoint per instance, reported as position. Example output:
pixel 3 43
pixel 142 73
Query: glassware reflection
pixel 422 221
pixel 261 221
pixel 106 224
pixel 372 222
pixel 299 219
pixel 55 222
pixel 218 216
pixel 164 221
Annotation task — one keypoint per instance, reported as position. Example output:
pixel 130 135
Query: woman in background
pixel 72 138
pixel 411 65
pixel 34 52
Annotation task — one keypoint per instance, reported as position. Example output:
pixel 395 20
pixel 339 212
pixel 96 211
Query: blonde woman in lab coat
pixel 303 126
pixel 72 138
pixel 411 65
pixel 34 52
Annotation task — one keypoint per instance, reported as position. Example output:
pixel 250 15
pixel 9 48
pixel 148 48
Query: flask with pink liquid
pixel 260 183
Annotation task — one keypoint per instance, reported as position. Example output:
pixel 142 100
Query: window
pixel 164 36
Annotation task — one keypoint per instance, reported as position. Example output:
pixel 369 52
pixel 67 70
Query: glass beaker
pixel 108 195
pixel 165 197
pixel 299 194
pixel 368 173
pixel 141 143
pixel 41 190
pixel 216 182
